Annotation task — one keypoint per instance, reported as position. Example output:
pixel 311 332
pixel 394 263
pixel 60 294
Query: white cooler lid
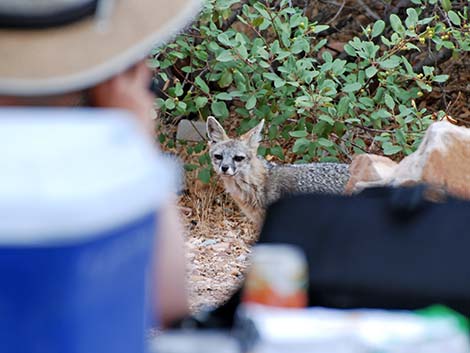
pixel 70 173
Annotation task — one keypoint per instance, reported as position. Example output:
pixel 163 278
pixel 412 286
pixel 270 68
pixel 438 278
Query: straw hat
pixel 57 46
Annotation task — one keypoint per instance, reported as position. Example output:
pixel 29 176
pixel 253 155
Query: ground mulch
pixel 218 241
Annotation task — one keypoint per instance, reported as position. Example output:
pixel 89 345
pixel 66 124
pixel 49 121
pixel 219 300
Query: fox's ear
pixel 215 131
pixel 254 136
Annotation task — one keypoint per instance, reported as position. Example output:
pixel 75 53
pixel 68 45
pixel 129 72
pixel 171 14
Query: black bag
pixel 384 248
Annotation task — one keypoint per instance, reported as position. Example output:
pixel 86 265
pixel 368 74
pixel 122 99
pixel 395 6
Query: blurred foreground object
pixel 277 276
pixel 79 194
pixel 385 248
pixel 320 330
pixel 56 46
pixel 188 341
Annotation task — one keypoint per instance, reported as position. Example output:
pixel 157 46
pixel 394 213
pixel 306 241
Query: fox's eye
pixel 218 156
pixel 238 158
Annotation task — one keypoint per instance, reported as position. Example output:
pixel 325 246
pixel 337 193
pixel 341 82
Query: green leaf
pixel 223 38
pixel 153 63
pixel 163 75
pixel 327 56
pixel 213 47
pixel 371 71
pixel 320 28
pixel 390 149
pixel 201 55
pixel 177 54
pixel 396 24
pixel 271 76
pixel 368 102
pixel 343 106
pixel 178 90
pixel 200 102
pixel 224 96
pixel 454 18
pixel 378 28
pixel 160 103
pixel 428 70
pixel 298 133
pixel 224 56
pixel 327 119
pixel 199 147
pixel 300 45
pixel 440 78
pixel 446 5
pixel 352 87
pixel 409 68
pixel 204 159
pixel 250 103
pixel 325 142
pixel 170 103
pixel 190 167
pixel 219 109
pixel 300 145
pixel 258 21
pixel 320 45
pixel 182 106
pixel 349 49
pixel 380 114
pixel 277 151
pixel 424 86
pixel 391 62
pixel 226 79
pixel 279 83
pixel 412 46
pixel 412 18
pixel 389 102
pixel 338 66
pixel 204 175
pixel 241 50
pixel 201 84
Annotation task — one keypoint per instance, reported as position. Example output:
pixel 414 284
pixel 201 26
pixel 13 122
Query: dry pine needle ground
pixel 218 239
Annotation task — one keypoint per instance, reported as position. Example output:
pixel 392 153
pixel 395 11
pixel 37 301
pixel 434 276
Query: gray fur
pixel 254 183
pixel 330 178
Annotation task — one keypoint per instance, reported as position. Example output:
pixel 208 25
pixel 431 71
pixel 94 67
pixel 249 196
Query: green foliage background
pixel 320 107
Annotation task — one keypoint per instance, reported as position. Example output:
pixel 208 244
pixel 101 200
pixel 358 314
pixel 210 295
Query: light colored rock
pixel 190 130
pixel 369 170
pixel 442 160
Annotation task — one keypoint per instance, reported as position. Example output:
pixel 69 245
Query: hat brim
pixel 79 55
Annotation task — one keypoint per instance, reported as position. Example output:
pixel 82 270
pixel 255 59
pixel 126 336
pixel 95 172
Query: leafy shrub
pixel 277 67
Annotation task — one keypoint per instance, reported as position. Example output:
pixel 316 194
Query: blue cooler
pixel 79 191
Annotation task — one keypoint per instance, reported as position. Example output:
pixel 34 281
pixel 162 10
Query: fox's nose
pixel 224 168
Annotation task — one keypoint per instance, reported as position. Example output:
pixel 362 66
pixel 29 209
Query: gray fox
pixel 254 183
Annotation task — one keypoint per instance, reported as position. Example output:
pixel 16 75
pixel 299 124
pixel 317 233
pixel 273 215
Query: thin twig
pixel 369 11
pixel 337 12
pixel 368 129
pixel 452 103
pixel 197 130
pixel 278 36
pixel 395 10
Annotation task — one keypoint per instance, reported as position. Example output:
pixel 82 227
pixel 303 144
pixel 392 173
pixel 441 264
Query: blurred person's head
pixel 92 52
pixel 55 52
